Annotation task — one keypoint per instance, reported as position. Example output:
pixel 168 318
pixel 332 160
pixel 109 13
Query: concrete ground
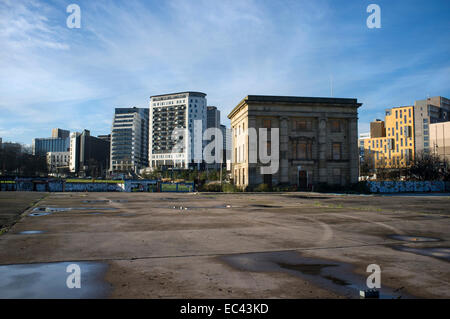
pixel 13 204
pixel 291 245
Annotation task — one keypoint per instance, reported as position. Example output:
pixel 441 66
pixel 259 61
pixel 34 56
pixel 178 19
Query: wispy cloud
pixel 127 51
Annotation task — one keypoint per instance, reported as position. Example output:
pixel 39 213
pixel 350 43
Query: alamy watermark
pixel 74 19
pixel 374 20
pixel 74 279
pixel 251 146
pixel 374 279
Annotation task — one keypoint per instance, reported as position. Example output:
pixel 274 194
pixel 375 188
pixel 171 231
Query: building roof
pixel 295 99
pixel 186 92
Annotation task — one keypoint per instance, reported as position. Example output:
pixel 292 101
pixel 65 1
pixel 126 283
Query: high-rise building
pixel 59 142
pixel 212 117
pixel 60 133
pixel 394 145
pixel 129 140
pixel 106 137
pixel 440 140
pixel 431 110
pixel 88 153
pixel 177 123
pixel 227 144
pixel 317 141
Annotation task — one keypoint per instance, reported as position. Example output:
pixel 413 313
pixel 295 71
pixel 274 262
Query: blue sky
pixel 125 51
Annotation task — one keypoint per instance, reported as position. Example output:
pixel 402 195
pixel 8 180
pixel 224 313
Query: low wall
pixel 85 185
pixel 406 186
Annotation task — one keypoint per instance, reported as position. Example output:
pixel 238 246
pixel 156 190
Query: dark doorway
pixel 268 180
pixel 303 180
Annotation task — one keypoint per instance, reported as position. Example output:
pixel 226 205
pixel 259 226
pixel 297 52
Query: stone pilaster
pixel 322 146
pixel 353 150
pixel 284 149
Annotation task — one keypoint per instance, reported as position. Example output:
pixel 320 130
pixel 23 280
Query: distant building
pixel 129 140
pixel 212 117
pixel 105 137
pixel 377 129
pixel 213 121
pixel 59 142
pixel 361 143
pixel 391 143
pixel 317 140
pixel 227 145
pixel 177 123
pixel 60 133
pixel 57 160
pixel 88 153
pixel 431 110
pixel 440 140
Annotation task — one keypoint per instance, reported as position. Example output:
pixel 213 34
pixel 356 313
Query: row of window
pixel 301 150
pixel 303 125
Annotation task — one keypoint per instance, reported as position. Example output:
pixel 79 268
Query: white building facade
pixel 57 160
pixel 176 126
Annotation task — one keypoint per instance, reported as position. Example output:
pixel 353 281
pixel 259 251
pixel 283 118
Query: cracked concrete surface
pixel 156 251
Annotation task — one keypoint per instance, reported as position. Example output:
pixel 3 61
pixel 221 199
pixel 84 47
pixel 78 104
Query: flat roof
pixel 296 99
pixel 186 92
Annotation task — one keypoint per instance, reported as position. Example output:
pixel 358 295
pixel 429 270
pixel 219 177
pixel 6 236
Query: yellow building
pixel 393 146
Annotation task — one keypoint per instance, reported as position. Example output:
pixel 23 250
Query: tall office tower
pixel 129 140
pixel 431 110
pixel 88 153
pixel 227 147
pixel 59 142
pixel 177 123
pixel 60 133
pixel 212 117
pixel 213 121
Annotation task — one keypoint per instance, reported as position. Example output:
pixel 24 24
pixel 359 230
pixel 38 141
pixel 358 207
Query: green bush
pixel 262 188
pixel 230 188
pixel 213 187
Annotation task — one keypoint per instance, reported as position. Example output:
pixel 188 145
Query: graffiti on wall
pixel 406 186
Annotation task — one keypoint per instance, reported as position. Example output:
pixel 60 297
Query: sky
pixel 126 51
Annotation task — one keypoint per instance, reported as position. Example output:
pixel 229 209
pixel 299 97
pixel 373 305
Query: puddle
pixel 39 214
pixel 31 232
pixel 309 197
pixel 334 276
pixel 96 201
pixel 40 210
pixel 414 239
pixel 48 280
pixel 265 206
pixel 436 252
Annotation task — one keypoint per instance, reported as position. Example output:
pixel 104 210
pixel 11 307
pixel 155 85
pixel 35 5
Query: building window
pixel 335 126
pixel 336 151
pixel 304 150
pixel 303 125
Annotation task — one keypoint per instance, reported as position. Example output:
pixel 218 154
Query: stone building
pixel 318 140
